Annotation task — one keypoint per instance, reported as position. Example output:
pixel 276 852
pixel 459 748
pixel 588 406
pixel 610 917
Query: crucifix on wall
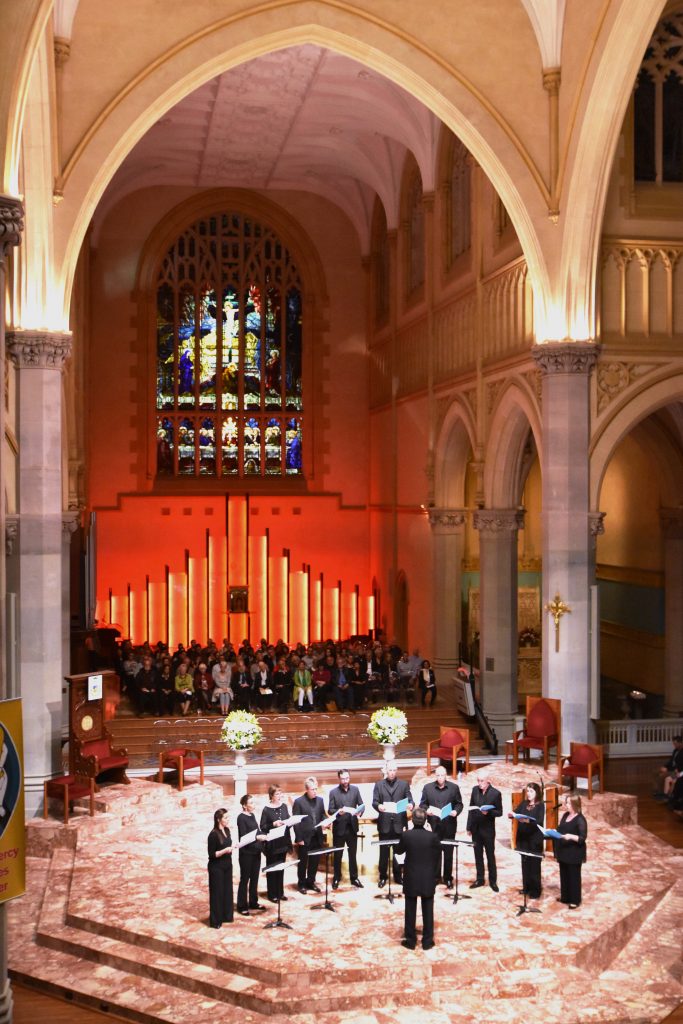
pixel 557 608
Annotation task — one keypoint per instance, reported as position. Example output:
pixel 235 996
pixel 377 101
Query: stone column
pixel 672 536
pixel 40 357
pixel 448 540
pixel 567 543
pixel 11 229
pixel 70 523
pixel 498 615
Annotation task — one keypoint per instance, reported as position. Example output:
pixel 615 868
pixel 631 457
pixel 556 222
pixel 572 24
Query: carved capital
pixel 62 51
pixel 498 520
pixel 672 523
pixel 596 524
pixel 566 356
pixel 551 80
pixel 70 522
pixel 39 350
pixel 11 223
pixel 447 518
pixel 11 534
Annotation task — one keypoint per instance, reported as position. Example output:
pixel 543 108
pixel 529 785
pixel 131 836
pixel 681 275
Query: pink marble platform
pixel 117 913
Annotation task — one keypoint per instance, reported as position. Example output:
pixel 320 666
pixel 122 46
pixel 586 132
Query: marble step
pixel 264 992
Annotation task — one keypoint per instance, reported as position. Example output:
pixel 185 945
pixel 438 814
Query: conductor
pixel 422 849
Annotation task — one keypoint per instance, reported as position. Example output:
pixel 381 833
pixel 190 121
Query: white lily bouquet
pixel 241 730
pixel 388 726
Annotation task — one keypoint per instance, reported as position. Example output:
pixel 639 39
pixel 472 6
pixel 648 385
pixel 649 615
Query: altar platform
pixel 116 917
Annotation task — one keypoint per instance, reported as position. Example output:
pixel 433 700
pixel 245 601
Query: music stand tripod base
pixel 457 843
pixel 278 922
pixel 388 895
pixel 327 903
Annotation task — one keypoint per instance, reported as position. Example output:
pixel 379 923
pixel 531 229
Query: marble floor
pixel 117 910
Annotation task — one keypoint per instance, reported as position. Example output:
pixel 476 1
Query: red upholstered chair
pixel 181 759
pixel 68 788
pixel 93 757
pixel 585 760
pixel 542 730
pixel 451 744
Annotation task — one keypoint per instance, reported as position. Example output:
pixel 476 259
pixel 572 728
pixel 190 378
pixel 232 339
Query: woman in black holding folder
pixel 530 839
pixel 220 870
pixel 274 813
pixel 570 851
pixel 250 858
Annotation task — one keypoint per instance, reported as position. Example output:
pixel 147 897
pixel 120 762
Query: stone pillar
pixel 672 536
pixel 568 558
pixel 40 357
pixel 448 539
pixel 70 523
pixel 498 615
pixel 11 229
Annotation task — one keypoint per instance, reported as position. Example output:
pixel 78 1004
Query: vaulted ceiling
pixel 298 118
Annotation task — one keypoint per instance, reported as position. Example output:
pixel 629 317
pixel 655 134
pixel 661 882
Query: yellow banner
pixel 12 827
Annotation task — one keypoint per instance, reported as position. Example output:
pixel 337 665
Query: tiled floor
pixel 117 913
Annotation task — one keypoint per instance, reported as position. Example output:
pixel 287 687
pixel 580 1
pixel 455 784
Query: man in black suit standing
pixel 422 850
pixel 345 826
pixel 439 794
pixel 481 826
pixel 306 836
pixel 390 825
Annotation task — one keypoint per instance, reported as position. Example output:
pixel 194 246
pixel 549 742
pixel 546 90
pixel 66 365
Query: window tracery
pixel 459 201
pixel 658 105
pixel 416 232
pixel 229 353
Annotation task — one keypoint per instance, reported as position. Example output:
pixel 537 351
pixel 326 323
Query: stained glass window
pixel 458 217
pixel 416 229
pixel 229 353
pixel 658 105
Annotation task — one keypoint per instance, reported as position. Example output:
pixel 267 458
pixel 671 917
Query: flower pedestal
pixel 240 774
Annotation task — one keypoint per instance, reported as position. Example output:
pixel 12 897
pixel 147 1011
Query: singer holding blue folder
pixel 530 838
pixel 486 804
pixel 446 796
pixel 391 820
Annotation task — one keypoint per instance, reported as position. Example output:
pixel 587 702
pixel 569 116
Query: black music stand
pixel 325 852
pixel 388 895
pixel 524 909
pixel 457 843
pixel 278 922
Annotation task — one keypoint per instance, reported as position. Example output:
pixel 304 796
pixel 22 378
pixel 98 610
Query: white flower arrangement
pixel 388 725
pixel 241 730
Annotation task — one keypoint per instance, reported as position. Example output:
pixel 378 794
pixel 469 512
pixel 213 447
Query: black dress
pixel 250 863
pixel 530 840
pixel 276 851
pixel 220 879
pixel 571 856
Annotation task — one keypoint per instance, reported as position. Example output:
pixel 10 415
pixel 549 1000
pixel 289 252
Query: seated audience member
pixel 130 667
pixel 342 691
pixel 427 683
pixel 321 686
pixel 241 685
pixel 302 687
pixel 405 672
pixel 263 685
pixel 184 686
pixel 358 683
pixel 165 693
pixel 282 685
pixel 669 772
pixel 203 685
pixel 146 684
pixel 221 674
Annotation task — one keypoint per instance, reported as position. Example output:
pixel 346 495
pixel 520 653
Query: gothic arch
pixel 603 445
pixel 515 414
pixel 455 443
pixel 246 35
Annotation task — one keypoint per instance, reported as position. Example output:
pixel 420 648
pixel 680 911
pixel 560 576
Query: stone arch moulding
pixel 314 296
pixel 377 44
pixel 456 439
pixel 514 415
pixel 651 398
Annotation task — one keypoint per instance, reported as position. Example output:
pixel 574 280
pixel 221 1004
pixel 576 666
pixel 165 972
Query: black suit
pixel 483 830
pixel 571 856
pixel 445 828
pixel 390 826
pixel 311 837
pixel 422 850
pixel 345 828
pixel 530 840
